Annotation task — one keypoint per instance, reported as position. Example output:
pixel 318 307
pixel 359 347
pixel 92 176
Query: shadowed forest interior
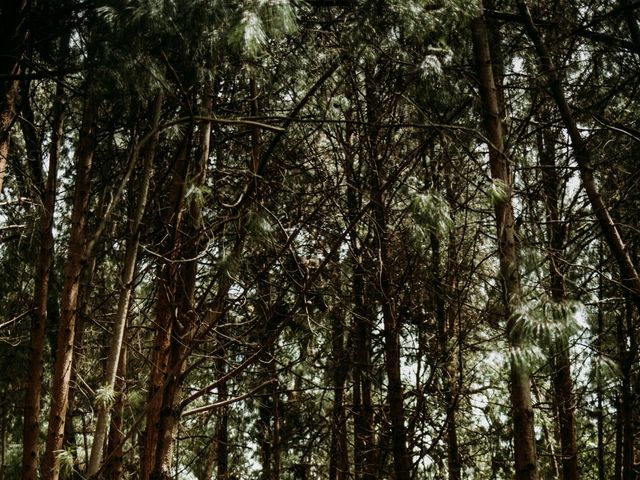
pixel 338 239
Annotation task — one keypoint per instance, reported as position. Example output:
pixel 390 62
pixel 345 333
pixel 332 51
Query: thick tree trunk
pixel 38 332
pixel 126 286
pixel 73 271
pixel 526 464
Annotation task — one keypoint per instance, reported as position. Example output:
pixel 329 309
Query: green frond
pixel 544 321
pixel 64 462
pixel 105 397
pixel 498 191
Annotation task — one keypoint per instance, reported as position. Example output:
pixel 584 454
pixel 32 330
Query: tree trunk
pixel 363 440
pixel 73 271
pixel 165 309
pixel 13 37
pixel 392 326
pixel 560 361
pixel 38 332
pixel 114 468
pixel 447 359
pixel 222 426
pixel 126 286
pixel 526 464
pixel 339 460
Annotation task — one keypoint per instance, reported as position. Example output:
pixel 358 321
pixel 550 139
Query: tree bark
pixel 38 332
pixel 114 468
pixel 165 309
pixel 392 326
pixel 526 463
pixel 339 461
pixel 73 271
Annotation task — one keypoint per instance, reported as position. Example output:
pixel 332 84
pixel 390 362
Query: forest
pixel 332 239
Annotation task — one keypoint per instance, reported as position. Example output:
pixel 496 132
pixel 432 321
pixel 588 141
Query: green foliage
pixel 261 21
pixel 105 397
pixel 64 463
pixel 497 192
pixel 543 321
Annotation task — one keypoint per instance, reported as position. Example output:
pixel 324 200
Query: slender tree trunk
pixel 126 286
pixel 70 295
pixel 448 363
pixel 627 360
pixel 222 426
pixel 363 439
pixel 599 382
pixel 165 310
pixel 114 468
pixel 560 361
pixel 392 326
pixel 38 332
pixel 13 37
pixel 339 461
pixel 526 463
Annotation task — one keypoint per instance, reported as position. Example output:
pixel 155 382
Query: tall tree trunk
pixel 363 439
pixel 73 271
pixel 526 463
pixel 627 360
pixel 13 37
pixel 447 359
pixel 392 326
pixel 114 468
pixel 599 382
pixel 339 460
pixel 38 332
pixel 126 286
pixel 165 309
pixel 560 360
pixel 222 426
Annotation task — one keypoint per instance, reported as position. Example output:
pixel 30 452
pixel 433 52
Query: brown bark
pixel 13 37
pixel 165 311
pixel 114 468
pixel 222 426
pixel 339 456
pixel 73 271
pixel 526 464
pixel 363 439
pixel 447 359
pixel 37 337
